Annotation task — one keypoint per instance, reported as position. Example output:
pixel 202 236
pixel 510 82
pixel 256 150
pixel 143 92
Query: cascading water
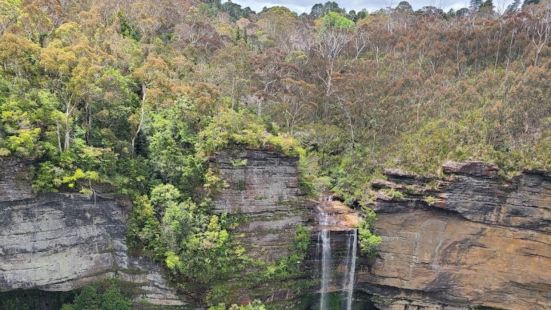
pixel 327 224
pixel 349 278
pixel 325 237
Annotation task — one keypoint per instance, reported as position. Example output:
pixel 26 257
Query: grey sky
pixel 301 6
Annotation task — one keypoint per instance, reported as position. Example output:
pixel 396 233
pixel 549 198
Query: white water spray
pixel 328 222
pixel 349 278
pixel 324 234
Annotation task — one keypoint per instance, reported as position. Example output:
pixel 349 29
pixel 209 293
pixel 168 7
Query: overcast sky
pixel 301 6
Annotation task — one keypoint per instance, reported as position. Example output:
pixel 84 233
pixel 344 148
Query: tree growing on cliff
pixel 369 242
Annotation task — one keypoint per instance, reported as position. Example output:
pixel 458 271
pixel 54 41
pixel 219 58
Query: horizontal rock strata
pixel 469 239
pixel 61 242
pixel 262 189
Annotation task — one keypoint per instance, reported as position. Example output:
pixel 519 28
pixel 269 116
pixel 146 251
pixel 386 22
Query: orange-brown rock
pixel 477 241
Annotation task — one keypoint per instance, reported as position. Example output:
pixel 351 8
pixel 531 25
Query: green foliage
pixel 144 228
pixel 127 29
pixel 31 299
pixel 239 163
pixel 112 299
pixel 430 200
pixel 210 255
pixel 99 297
pixel 230 127
pixel 470 137
pixel 440 140
pixel 213 183
pixel 196 247
pixel 24 119
pixel 352 173
pixel 394 194
pixel 140 98
pixel 334 20
pixel 310 178
pixel 164 195
pixel 369 242
pixel 88 299
pixel 290 265
pixel 172 137
pixel 255 305
pixel 74 170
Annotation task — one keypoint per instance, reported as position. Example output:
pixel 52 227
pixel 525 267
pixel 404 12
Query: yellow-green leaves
pixel 172 260
pixel 24 141
pixel 242 128
pixel 369 242
pixel 334 20
pixel 9 12
pixel 18 55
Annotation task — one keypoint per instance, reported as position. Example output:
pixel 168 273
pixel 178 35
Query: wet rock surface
pixel 468 239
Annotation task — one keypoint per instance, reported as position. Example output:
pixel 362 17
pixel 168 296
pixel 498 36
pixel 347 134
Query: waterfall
pixel 324 234
pixel 328 222
pixel 349 277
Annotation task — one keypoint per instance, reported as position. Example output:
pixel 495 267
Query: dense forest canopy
pixel 138 94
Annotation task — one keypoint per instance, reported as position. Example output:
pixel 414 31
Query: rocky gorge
pixel 467 239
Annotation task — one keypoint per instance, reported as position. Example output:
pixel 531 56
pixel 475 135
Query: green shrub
pixel 369 242
pixel 255 305
pixel 430 200
pixel 112 299
pixel 290 264
pixel 242 128
pixel 88 299
pixel 394 194
pixel 102 297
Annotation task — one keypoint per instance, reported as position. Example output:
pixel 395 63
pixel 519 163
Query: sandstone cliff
pixel 60 242
pixel 469 239
pixel 262 189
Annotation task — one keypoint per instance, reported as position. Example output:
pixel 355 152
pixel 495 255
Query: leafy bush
pixel 394 194
pixel 290 264
pixel 369 242
pixel 430 200
pixel 255 305
pixel 98 297
pixel 77 169
pixel 242 128
pixel 337 21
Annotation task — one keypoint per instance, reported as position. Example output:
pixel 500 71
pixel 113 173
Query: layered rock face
pixel 263 187
pixel 470 239
pixel 15 180
pixel 262 190
pixel 61 242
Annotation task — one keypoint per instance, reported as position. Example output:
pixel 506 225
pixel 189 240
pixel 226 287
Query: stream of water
pixel 348 282
pixel 325 260
pixel 327 263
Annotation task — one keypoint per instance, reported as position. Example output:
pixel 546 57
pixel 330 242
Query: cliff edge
pixel 466 240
